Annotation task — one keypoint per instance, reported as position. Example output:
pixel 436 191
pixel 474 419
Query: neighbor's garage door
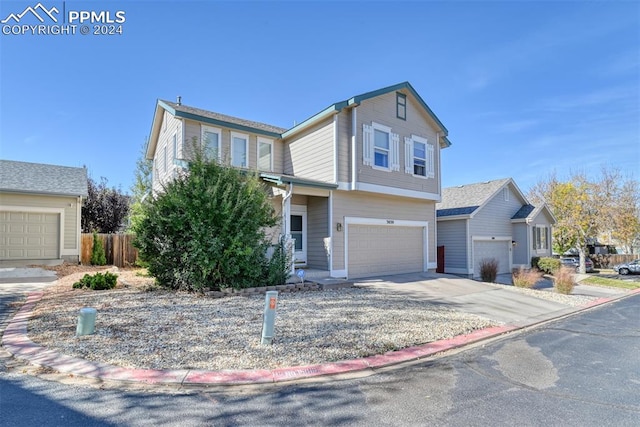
pixel 381 250
pixel 29 235
pixel 487 249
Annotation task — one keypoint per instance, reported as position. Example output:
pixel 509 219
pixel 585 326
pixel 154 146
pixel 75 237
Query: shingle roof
pixel 39 178
pixel 465 199
pixel 524 212
pixel 223 117
pixel 456 211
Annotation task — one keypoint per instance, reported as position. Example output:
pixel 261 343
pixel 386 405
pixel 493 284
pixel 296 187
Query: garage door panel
pixel 496 249
pixel 29 235
pixel 376 250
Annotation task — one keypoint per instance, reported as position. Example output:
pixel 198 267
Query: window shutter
pixel 395 152
pixel 431 171
pixel 367 144
pixel 408 155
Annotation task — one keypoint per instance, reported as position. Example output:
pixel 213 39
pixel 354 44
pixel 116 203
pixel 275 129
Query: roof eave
pixel 327 112
pixel 43 193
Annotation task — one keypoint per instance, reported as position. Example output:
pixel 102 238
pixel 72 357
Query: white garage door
pixel 487 249
pixel 29 235
pixel 381 250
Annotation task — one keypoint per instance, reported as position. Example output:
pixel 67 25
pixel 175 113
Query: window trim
pixel 165 167
pixel 403 104
pixel 175 146
pixel 269 142
pixel 538 230
pixel 211 129
pixel 246 148
pixel 386 129
pixel 429 160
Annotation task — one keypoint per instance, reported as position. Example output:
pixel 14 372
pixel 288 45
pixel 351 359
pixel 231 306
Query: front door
pixel 298 221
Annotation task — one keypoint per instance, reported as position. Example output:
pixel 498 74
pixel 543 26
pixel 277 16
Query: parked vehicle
pixel 575 263
pixel 632 267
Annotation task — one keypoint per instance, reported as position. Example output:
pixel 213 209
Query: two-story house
pixel 356 184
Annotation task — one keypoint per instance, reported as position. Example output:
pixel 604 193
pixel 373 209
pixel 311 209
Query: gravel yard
pixel 163 330
pixel 139 326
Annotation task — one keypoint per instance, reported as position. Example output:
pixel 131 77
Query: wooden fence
pixel 609 260
pixel 117 247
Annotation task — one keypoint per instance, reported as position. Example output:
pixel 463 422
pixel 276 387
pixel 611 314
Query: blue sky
pixel 524 88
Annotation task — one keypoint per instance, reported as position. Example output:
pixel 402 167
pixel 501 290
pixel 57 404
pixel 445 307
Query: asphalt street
pixel 579 371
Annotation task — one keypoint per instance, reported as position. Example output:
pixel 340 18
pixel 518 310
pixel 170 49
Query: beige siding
pixel 164 167
pixel 310 154
pixel 194 133
pixel 344 145
pixel 317 230
pixel 69 204
pixel 368 205
pixel 382 110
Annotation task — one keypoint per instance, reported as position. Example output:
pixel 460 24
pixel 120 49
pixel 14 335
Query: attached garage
pixel 499 250
pixel 383 249
pixel 40 209
pixel 29 235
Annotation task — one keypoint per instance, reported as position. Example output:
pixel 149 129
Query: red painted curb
pixel 16 340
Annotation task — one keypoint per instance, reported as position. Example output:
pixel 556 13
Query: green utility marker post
pixel 268 325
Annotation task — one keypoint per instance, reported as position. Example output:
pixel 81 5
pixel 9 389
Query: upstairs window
pixel 401 106
pixel 175 146
pixel 239 149
pixel 211 138
pixel 380 147
pixel 265 154
pixel 419 157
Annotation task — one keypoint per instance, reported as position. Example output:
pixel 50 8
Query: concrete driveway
pixel 494 302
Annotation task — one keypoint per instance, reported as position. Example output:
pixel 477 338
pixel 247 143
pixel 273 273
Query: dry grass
pixel 526 278
pixel 563 280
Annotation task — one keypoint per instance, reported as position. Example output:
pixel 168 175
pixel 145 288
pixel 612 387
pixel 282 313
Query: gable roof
pixel 205 116
pixel 528 213
pixel 198 114
pixel 468 198
pixel 357 100
pixel 38 178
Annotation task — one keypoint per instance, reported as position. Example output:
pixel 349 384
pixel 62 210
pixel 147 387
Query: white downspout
pixel 286 214
pixel 354 132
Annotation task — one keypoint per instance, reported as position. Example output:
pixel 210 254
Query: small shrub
pixel 97 282
pixel 563 280
pixel 526 278
pixel 98 256
pixel 279 264
pixel 549 265
pixel 489 269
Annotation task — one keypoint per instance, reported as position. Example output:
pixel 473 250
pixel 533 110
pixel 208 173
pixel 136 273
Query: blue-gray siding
pixel 452 235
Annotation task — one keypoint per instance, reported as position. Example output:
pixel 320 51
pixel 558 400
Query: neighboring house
pixel 355 185
pixel 40 208
pixel 491 220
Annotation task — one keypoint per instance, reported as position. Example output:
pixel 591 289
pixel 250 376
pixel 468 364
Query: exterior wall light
pixel 339 226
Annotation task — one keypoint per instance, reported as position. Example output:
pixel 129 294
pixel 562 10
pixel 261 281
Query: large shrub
pixel 206 230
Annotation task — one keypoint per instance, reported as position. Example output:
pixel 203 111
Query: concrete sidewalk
pixel 492 301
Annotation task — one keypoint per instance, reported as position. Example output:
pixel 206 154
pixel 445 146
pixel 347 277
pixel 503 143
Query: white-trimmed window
pixel 540 237
pixel 265 154
pixel 211 139
pixel 175 146
pixel 164 158
pixel 419 157
pixel 380 147
pixel 239 150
